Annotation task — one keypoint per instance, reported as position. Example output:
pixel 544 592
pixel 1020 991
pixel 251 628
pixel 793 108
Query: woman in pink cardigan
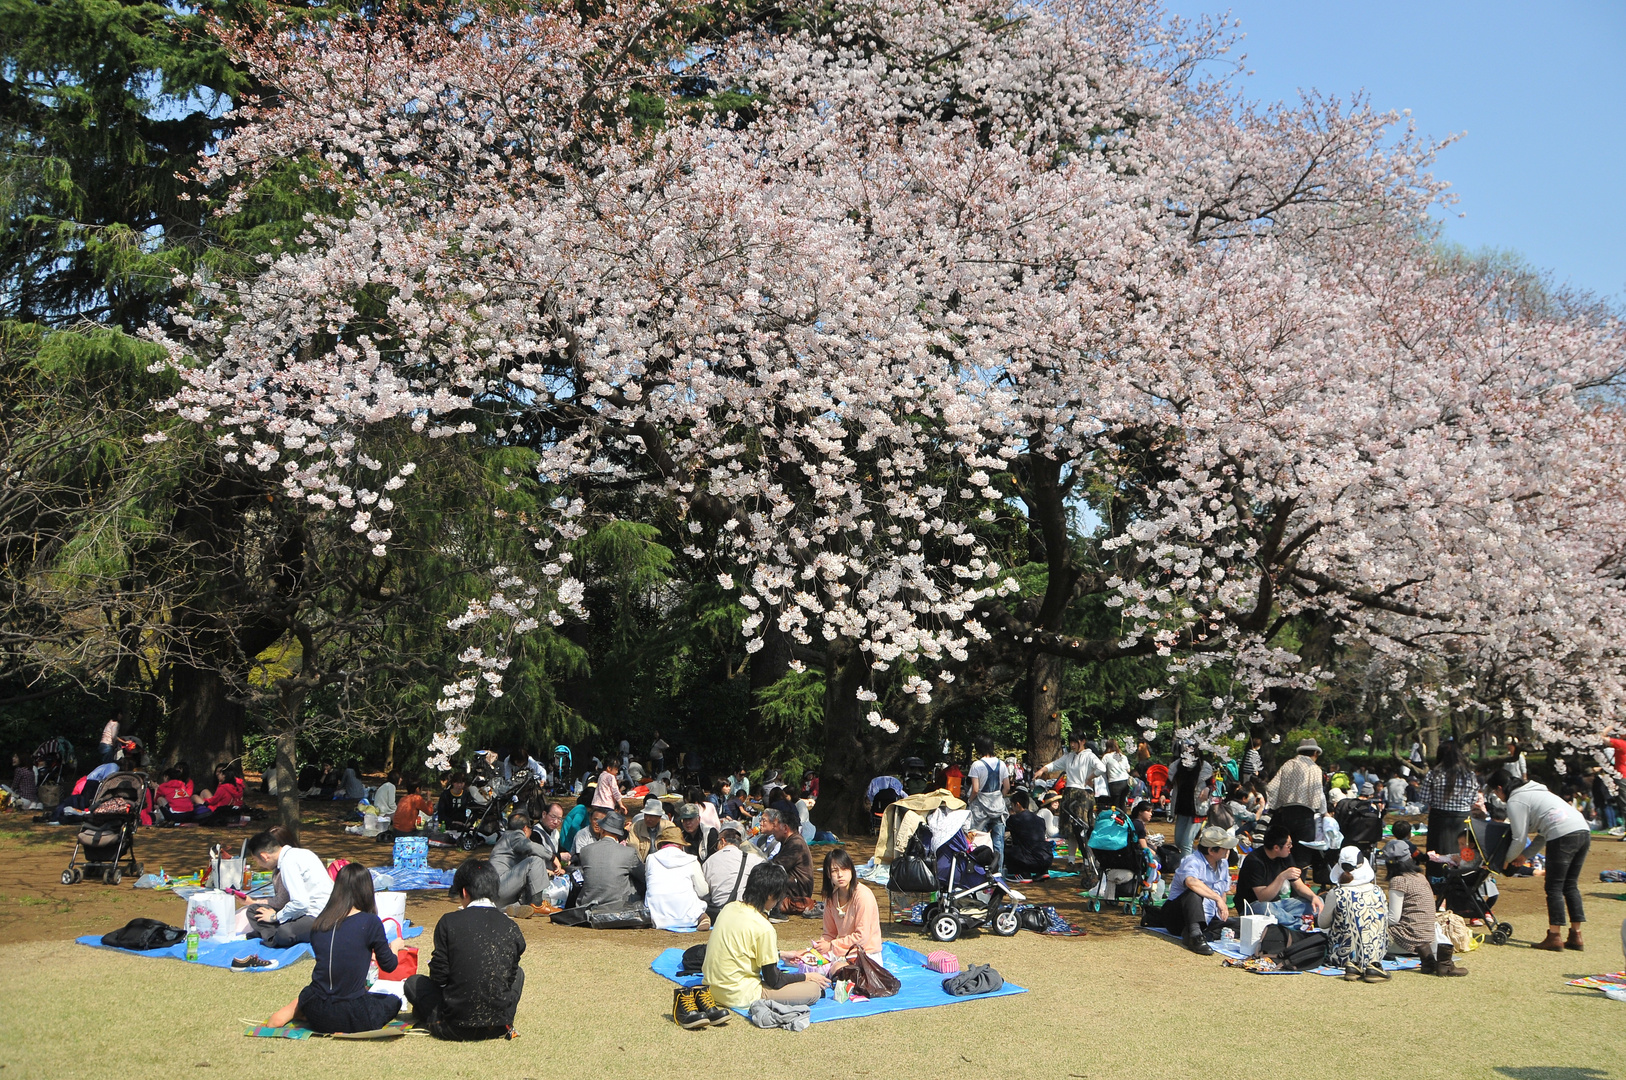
pixel 851 916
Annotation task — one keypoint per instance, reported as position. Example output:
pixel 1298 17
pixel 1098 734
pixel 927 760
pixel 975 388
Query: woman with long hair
pixel 851 916
pixel 1448 791
pixel 345 937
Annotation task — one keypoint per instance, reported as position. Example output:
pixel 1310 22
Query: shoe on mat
pixel 252 962
pixel 1375 973
pixel 1352 973
pixel 704 1003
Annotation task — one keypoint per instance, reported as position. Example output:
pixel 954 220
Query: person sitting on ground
pixel 1270 882
pixel 1355 916
pixel 698 840
pixel 223 803
pixel 545 835
pixel 1196 908
pixel 1027 843
pixel 350 785
pixel 175 795
pixel 607 795
pixel 1563 831
pixel 742 957
pixel 300 889
pixel 707 806
pixel 345 937
pixel 779 800
pixel 591 833
pixel 648 827
pixel 727 868
pixel 522 872
pixel 575 821
pixel 612 873
pixel 1401 847
pixel 384 797
pixel 457 811
pixel 674 886
pixel 735 804
pixel 796 858
pixel 25 785
pixel 475 981
pixel 852 919
pixel 1412 925
pixel 404 822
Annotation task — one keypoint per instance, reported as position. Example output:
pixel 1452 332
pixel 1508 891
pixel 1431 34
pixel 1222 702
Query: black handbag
pixel 912 874
pixel 635 917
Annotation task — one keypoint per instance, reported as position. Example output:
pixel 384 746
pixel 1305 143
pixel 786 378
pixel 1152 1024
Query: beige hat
pixel 1213 836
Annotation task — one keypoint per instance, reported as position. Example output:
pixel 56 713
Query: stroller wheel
pixel 78 875
pixel 114 876
pixel 1505 929
pixel 136 869
pixel 1497 937
pixel 67 877
pixel 469 841
pixel 944 927
pixel 1005 922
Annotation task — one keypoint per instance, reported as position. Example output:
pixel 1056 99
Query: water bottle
pixel 1228 935
pixel 192 944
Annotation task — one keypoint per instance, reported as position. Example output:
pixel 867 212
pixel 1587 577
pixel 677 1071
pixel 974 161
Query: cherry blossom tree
pixel 957 261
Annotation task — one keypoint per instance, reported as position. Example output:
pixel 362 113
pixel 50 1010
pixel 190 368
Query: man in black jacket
pixel 474 981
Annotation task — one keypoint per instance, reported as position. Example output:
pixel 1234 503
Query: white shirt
pixel 674 888
pixel 306 881
pixel 384 799
pixel 1117 767
pixel 1081 769
pixel 110 733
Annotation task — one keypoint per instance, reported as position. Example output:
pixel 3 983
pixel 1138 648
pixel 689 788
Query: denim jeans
pixel 1185 833
pixel 1565 857
pixel 996 833
pixel 1286 912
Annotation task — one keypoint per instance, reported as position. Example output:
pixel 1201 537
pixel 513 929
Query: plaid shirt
pixel 1461 799
pixel 1298 783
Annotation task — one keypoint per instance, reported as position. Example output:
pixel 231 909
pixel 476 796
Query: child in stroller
pixel 107 836
pixel 970 893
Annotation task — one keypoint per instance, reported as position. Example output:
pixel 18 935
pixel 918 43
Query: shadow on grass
pixel 1550 1072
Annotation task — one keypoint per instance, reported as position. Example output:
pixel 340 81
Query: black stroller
pixel 494 818
pixel 106 838
pixel 969 896
pixel 1469 890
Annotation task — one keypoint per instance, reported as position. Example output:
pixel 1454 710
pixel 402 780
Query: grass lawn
pixel 1114 1004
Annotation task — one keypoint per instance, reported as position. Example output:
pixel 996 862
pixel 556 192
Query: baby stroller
pixel 916 778
pixel 562 767
pixel 107 835
pixel 1470 890
pixel 1157 791
pixel 494 818
pixel 969 896
pixel 1114 854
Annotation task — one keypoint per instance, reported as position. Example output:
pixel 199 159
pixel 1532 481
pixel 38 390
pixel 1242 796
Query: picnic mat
pixel 402 879
pixel 921 988
pixel 1610 980
pixel 393 1029
pixel 222 954
pixel 1232 950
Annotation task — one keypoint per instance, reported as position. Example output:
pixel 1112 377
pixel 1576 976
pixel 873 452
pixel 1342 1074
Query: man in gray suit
pixel 522 872
pixel 612 873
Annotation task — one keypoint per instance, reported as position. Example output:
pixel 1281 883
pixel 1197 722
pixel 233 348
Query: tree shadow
pixel 1550 1072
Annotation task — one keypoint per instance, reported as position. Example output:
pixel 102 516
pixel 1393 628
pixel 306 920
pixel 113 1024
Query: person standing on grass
pixel 1563 831
pixel 1297 799
pixel 990 781
pixel 1116 764
pixel 1448 791
pixel 345 938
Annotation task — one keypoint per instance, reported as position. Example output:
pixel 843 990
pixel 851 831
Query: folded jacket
pixel 766 1013
pixel 976 979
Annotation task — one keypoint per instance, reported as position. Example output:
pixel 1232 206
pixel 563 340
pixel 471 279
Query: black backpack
pixel 1293 949
pixel 1361 822
pixel 144 934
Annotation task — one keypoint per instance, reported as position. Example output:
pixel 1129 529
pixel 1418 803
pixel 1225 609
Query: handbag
pixel 868 978
pixel 635 917
pixel 912 874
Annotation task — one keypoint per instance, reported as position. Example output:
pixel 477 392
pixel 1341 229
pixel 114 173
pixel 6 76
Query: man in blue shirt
pixel 1196 908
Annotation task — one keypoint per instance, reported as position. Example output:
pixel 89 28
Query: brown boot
pixel 1443 965
pixel 1552 942
pixel 1427 964
pixel 1574 941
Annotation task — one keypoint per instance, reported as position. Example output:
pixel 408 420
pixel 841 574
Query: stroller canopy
pixel 902 818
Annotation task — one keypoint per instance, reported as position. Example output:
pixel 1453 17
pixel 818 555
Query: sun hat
pixel 1309 744
pixel 1213 836
pixel 670 834
pixel 1352 862
pixel 688 812
pixel 729 825
pixel 653 808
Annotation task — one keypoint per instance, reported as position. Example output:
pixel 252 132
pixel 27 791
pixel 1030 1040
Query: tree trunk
pixel 205 724
pixel 389 754
pixel 287 767
pixel 1044 708
pixel 854 751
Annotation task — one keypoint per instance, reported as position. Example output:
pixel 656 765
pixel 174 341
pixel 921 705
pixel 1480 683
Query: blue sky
pixel 1539 88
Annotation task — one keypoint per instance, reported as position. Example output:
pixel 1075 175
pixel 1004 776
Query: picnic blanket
pixel 1609 980
pixel 920 987
pixel 220 955
pixel 391 1030
pixel 1232 950
pixel 401 879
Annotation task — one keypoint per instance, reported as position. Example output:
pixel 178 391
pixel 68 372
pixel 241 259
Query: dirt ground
pixel 1113 1003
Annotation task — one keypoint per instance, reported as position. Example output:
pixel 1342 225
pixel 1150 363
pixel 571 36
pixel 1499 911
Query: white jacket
pixel 674 888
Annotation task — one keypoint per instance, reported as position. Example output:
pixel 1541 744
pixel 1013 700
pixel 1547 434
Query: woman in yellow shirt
pixel 742 956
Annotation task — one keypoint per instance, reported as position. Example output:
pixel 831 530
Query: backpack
pixel 1293 949
pixel 144 934
pixel 1361 822
pixel 1168 858
pixel 1111 832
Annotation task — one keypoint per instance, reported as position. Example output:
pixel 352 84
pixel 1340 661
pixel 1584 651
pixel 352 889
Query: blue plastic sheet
pixel 221 955
pixel 921 988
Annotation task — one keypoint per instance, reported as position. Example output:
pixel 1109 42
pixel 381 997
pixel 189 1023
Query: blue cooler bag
pixel 411 853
